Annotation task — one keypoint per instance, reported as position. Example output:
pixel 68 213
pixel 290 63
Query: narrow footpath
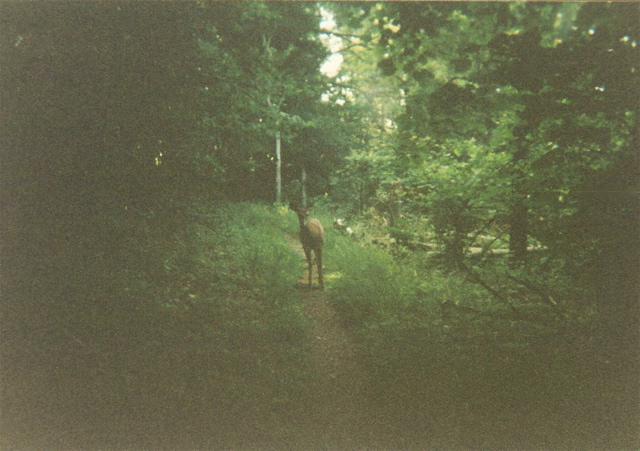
pixel 337 415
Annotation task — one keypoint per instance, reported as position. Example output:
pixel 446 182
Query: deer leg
pixel 319 263
pixel 307 253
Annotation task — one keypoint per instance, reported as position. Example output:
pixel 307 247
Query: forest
pixel 474 166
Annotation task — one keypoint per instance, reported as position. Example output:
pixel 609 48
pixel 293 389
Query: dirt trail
pixel 339 404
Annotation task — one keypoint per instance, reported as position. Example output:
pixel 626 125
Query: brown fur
pixel 312 239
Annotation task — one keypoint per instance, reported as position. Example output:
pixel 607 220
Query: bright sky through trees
pixel 332 64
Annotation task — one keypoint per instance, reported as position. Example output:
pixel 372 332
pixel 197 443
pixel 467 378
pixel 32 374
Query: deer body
pixel 312 239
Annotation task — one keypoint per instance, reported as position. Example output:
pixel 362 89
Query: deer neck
pixel 303 221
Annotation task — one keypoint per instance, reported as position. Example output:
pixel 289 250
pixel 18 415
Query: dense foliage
pixel 121 304
pixel 479 162
pixel 516 126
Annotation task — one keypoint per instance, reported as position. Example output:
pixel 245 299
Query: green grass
pixel 477 376
pixel 206 336
pixel 212 335
pixel 237 276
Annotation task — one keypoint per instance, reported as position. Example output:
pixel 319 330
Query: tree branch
pixel 340 35
pixel 542 293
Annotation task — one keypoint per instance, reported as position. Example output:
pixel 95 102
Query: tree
pixel 264 60
pixel 369 107
pixel 96 121
pixel 547 84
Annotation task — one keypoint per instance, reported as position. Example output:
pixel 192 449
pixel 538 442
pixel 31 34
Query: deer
pixel 312 239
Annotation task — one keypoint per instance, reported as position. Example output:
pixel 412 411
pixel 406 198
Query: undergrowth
pixel 212 339
pixel 203 344
pixel 467 368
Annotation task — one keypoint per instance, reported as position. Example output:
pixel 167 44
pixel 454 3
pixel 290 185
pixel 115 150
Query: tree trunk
pixel 518 233
pixel 278 170
pixel 519 227
pixel 303 179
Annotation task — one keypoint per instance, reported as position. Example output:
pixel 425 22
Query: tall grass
pixel 213 342
pixel 477 375
pixel 368 285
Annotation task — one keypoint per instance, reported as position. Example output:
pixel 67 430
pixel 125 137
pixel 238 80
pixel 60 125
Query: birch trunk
pixel 278 170
pixel 303 178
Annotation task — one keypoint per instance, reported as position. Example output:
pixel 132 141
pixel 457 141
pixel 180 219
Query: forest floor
pixel 338 401
pixel 350 408
pixel 60 393
pixel 340 416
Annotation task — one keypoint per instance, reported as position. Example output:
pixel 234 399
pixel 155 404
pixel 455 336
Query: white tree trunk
pixel 303 179
pixel 278 170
